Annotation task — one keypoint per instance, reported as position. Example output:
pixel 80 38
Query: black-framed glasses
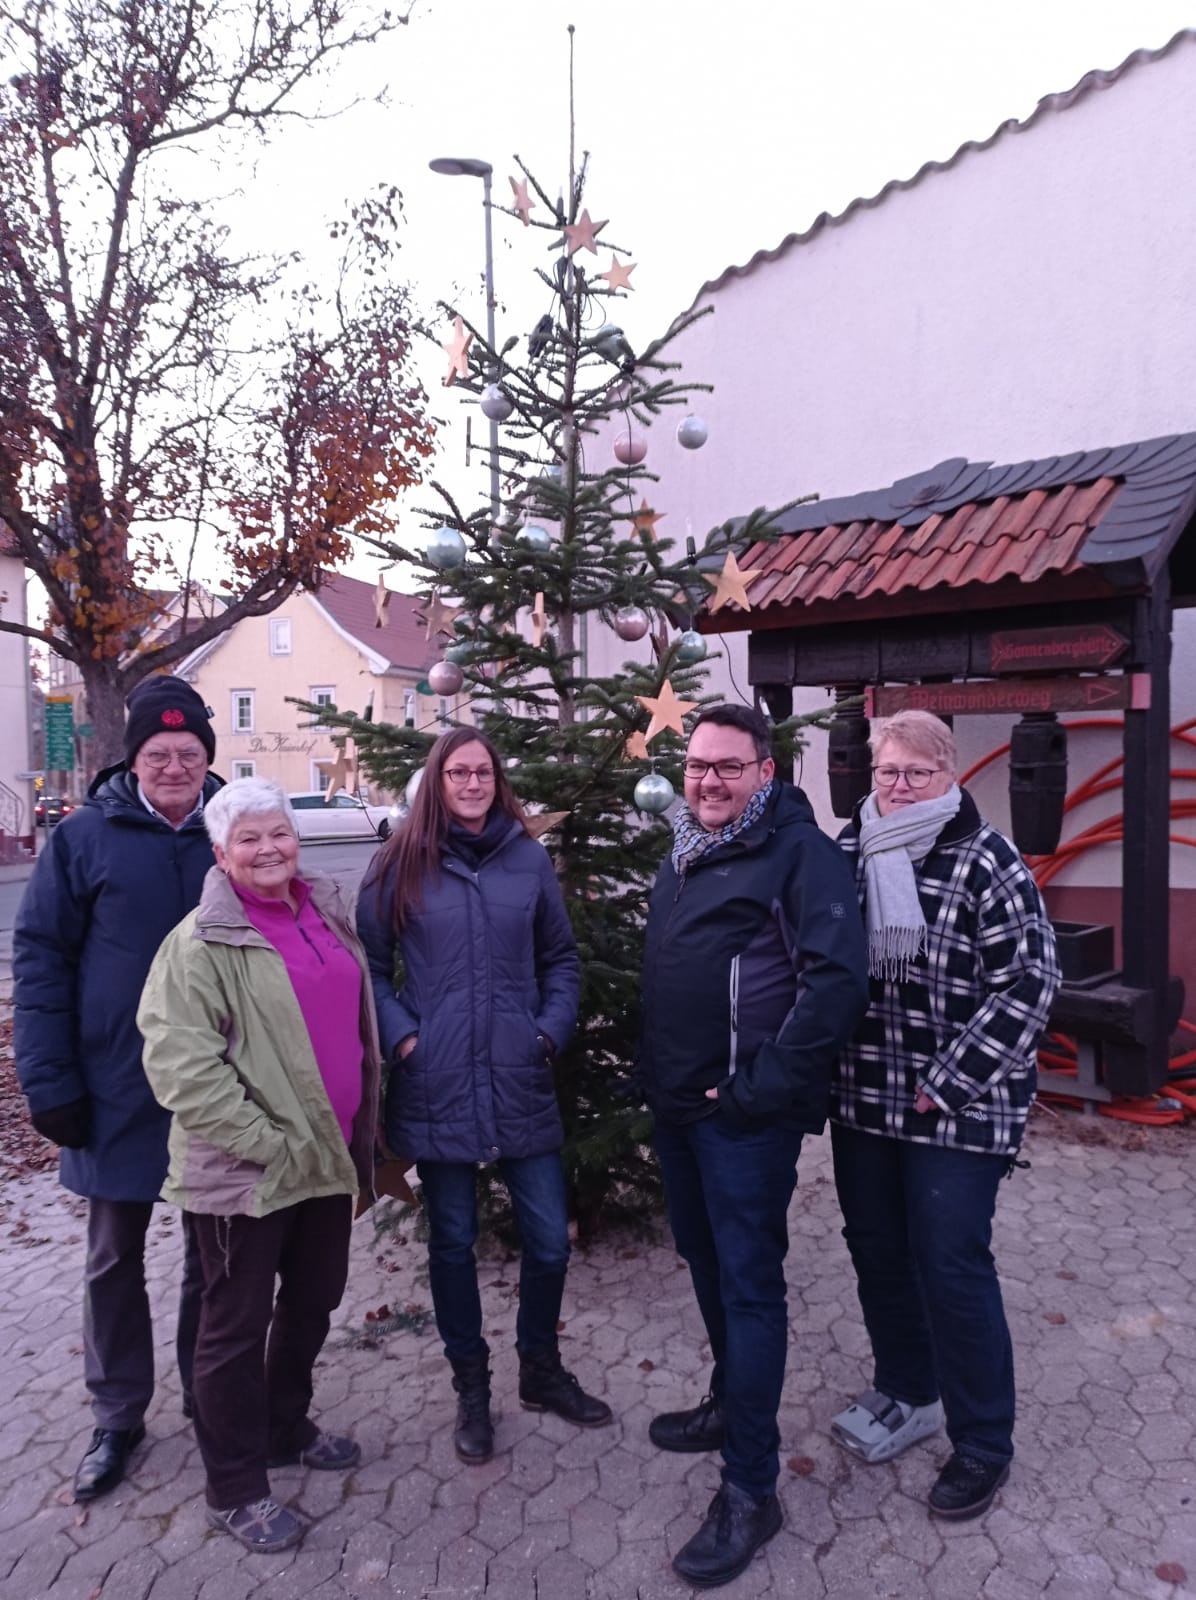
pixel 729 771
pixel 159 760
pixel 915 777
pixel 460 776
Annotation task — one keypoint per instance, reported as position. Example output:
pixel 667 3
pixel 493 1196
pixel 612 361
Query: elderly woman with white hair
pixel 261 1039
pixel 929 1106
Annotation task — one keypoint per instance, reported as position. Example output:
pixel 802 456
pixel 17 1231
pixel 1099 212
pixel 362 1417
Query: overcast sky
pixel 714 130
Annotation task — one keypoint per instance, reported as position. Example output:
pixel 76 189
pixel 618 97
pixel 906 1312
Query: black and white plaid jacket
pixel 966 1023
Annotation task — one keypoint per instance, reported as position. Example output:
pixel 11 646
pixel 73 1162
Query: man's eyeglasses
pixel 159 760
pixel 915 777
pixel 460 776
pixel 729 771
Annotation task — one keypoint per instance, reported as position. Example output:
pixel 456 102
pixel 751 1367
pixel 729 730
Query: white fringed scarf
pixel 891 847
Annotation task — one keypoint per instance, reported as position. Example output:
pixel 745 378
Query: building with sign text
pixel 16 784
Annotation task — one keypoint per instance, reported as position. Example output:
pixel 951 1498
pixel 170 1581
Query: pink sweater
pixel 327 984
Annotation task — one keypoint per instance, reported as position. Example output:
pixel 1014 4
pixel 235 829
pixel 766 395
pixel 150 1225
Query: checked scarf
pixel 691 841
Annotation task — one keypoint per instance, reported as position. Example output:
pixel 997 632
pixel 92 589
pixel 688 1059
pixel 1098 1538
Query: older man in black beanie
pixel 113 880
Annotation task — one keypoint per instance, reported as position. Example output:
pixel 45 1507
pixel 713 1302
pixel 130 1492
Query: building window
pixel 409 707
pixel 280 636
pixel 321 775
pixel 242 710
pixel 244 769
pixel 443 714
pixel 322 696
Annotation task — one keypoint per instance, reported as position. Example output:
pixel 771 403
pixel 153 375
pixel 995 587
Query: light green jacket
pixel 228 1053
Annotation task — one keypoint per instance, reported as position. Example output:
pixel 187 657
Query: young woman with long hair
pixel 469 900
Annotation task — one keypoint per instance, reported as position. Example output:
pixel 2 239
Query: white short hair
pixel 244 797
pixel 920 731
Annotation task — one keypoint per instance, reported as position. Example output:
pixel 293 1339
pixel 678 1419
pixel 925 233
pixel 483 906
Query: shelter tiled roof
pixel 1080 525
pixel 1090 82
pixel 350 603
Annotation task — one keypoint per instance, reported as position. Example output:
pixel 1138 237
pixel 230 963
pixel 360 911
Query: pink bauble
pixel 445 678
pixel 630 449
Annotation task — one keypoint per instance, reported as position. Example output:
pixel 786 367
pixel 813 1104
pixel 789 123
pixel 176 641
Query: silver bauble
pixel 413 783
pixel 458 654
pixel 631 622
pixel 445 548
pixel 496 403
pixel 609 342
pixel 552 472
pixel 445 678
pixel 691 433
pixel 535 538
pixel 654 794
pixel 691 647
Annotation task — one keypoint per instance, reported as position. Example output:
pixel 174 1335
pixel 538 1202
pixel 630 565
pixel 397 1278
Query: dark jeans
pixel 255 1353
pixel 118 1334
pixel 919 1227
pixel 728 1193
pixel 536 1185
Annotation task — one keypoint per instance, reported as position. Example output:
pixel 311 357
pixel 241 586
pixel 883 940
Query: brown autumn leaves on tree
pixel 162 396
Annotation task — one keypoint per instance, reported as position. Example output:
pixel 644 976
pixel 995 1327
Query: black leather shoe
pixel 966 1487
pixel 544 1385
pixel 473 1437
pixel 103 1465
pixel 736 1526
pixel 701 1428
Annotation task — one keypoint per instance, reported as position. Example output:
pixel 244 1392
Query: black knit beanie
pixel 163 704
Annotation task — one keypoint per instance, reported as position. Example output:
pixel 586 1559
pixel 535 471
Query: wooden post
pixel 778 697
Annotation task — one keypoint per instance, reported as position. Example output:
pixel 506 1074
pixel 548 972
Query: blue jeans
pixel 728 1193
pixel 919 1227
pixel 536 1185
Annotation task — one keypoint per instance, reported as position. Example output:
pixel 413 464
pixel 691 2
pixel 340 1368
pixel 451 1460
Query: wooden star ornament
pixel 457 350
pixel 731 583
pixel 636 747
pixel 580 235
pixel 523 202
pixel 645 519
pixel 539 619
pixel 666 711
pixel 439 618
pixel 544 822
pixel 338 778
pixel 619 276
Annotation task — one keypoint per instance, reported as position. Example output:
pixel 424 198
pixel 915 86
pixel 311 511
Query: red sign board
pixel 1011 697
pixel 1090 646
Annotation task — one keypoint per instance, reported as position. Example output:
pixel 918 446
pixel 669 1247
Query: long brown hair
pixel 412 852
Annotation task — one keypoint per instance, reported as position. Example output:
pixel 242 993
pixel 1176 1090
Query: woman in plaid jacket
pixel 929 1107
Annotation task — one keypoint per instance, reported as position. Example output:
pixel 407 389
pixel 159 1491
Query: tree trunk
pixel 106 713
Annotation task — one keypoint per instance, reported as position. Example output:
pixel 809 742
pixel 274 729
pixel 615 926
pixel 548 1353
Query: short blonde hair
pixel 244 797
pixel 919 731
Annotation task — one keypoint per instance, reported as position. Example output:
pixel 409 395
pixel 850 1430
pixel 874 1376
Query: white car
pixel 345 816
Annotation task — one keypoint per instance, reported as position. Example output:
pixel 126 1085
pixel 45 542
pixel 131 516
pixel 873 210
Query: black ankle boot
pixel 544 1385
pixel 473 1437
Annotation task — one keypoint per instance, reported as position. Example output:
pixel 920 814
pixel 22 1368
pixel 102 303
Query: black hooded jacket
pixel 755 975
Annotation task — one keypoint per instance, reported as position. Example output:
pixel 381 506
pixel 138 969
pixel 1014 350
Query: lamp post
pixel 467 167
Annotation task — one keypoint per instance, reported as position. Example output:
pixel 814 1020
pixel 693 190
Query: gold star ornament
pixel 580 235
pixel 522 202
pixel 645 519
pixel 457 350
pixel 666 711
pixel 619 276
pixel 731 583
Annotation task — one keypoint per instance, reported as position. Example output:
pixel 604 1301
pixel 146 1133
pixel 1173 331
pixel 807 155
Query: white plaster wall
pixel 14 689
pixel 1035 299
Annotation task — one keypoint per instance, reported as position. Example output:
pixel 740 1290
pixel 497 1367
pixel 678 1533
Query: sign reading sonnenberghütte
pixel 1013 696
pixel 1088 646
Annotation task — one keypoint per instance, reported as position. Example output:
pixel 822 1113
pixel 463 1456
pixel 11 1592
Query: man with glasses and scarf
pixel 113 880
pixel 754 979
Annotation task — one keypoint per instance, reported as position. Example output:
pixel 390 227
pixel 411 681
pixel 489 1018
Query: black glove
pixel 68 1125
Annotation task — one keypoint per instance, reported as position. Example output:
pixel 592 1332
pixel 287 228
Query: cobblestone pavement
pixel 1095 1246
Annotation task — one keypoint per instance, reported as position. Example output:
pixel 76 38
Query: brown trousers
pixel 255 1352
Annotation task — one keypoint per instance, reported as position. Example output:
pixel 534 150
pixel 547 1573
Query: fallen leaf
pixel 802 1465
pixel 647 1366
pixel 629 1255
pixel 1055 1318
pixel 1171 1572
pixel 1070 1276
pixel 80 1519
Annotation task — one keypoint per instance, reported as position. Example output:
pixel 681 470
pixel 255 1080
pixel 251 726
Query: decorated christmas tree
pixel 516 593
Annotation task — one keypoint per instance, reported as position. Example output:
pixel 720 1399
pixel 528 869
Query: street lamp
pixel 467 167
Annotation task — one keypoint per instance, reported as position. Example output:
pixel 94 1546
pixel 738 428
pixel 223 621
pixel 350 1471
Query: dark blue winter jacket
pixel 491 986
pixel 111 883
pixel 755 975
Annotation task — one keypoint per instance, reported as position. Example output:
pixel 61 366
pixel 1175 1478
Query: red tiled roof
pixel 351 603
pixel 1084 524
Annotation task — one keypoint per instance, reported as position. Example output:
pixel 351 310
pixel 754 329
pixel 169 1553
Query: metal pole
pixel 490 338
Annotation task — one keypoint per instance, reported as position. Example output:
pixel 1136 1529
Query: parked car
pixel 345 816
pixel 51 808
